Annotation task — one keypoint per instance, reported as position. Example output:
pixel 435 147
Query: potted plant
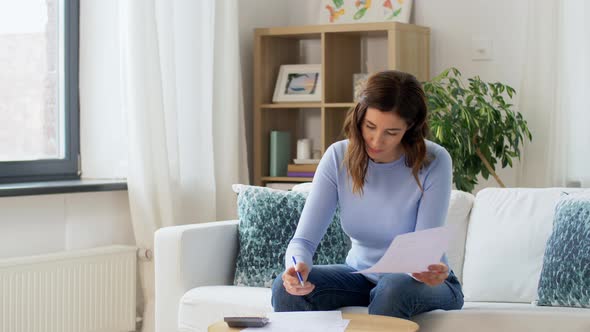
pixel 476 125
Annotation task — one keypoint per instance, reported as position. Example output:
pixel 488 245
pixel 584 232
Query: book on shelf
pixel 280 152
pixel 301 174
pixel 302 167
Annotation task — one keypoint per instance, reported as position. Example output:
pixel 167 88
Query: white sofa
pixel 497 253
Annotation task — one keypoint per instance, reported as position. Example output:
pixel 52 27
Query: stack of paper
pixel 308 321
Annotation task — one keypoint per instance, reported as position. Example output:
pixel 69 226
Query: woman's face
pixel 382 133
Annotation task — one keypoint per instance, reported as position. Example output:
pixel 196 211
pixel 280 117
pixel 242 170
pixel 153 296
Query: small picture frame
pixel 297 83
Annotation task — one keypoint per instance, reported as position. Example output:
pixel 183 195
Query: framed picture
pixel 298 83
pixel 363 11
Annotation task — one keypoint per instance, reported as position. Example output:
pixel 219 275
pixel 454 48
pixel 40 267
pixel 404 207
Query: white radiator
pixel 77 291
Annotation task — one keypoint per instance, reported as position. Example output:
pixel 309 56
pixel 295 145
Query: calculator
pixel 246 321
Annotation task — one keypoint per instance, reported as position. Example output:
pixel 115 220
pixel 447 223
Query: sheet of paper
pixel 413 252
pixel 309 321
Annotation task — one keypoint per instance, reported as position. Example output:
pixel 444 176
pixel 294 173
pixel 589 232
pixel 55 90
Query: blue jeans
pixel 395 294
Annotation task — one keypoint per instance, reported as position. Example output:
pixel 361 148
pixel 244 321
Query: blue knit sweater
pixel 391 204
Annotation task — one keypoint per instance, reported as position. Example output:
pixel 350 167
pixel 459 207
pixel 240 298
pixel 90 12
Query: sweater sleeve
pixel 434 204
pixel 318 211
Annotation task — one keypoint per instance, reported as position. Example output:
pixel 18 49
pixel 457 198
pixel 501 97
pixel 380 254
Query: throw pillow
pixel 268 219
pixel 565 277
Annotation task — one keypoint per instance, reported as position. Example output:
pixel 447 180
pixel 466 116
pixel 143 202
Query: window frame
pixel 68 167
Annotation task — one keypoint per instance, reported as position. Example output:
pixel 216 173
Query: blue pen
pixel 298 274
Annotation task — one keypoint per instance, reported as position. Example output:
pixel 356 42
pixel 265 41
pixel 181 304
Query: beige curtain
pixel 553 94
pixel 181 91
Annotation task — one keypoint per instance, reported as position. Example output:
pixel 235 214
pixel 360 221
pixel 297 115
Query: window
pixel 39 103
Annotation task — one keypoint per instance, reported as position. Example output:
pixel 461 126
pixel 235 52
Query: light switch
pixel 481 49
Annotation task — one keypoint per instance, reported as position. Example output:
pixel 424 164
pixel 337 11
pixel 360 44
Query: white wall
pixel 255 14
pixel 454 25
pixel 34 225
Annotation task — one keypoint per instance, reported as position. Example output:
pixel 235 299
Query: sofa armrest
pixel 189 256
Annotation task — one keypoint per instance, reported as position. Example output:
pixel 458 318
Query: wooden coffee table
pixel 358 323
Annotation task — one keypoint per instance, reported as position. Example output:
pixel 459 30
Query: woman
pixel 387 180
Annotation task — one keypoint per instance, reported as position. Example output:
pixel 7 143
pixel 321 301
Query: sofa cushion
pixel 508 230
pixel 304 187
pixel 505 317
pixel 458 217
pixel 202 306
pixel 268 219
pixel 565 277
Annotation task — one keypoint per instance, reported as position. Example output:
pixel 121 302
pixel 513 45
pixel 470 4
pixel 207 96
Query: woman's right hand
pixel 292 284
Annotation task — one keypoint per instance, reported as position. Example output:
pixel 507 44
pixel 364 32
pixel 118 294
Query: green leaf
pixel 485 173
pixel 439 135
pixel 395 13
pixel 510 91
pixel 359 14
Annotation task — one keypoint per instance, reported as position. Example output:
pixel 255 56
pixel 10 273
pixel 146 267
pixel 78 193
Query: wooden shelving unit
pixel 407 48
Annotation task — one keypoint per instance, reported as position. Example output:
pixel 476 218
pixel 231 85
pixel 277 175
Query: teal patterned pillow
pixel 268 219
pixel 565 277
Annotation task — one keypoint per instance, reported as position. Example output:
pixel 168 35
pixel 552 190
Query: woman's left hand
pixel 436 274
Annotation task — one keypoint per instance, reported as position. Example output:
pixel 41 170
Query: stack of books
pixel 301 170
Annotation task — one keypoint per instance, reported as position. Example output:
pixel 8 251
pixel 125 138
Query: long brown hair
pixel 388 91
